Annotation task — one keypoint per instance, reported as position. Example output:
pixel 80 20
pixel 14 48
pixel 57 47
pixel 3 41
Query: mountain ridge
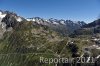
pixel 62 26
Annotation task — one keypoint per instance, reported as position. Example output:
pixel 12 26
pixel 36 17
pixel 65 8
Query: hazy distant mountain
pixel 62 26
pixel 89 29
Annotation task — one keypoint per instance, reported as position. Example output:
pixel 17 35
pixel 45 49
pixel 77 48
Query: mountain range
pixel 63 26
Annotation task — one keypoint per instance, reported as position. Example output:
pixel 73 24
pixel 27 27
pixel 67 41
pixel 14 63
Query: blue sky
pixel 83 10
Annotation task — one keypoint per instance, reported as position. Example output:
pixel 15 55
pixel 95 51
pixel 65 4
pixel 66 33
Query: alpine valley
pixel 24 40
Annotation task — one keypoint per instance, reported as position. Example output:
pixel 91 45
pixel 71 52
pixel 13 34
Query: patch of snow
pixel 33 19
pixel 46 20
pixel 98 56
pixel 55 23
pixel 95 39
pixel 62 22
pixel 19 19
pixel 2 15
pixel 72 42
pixel 98 48
pixel 95 46
pixel 29 19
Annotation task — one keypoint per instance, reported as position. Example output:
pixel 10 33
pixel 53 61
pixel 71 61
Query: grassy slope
pixel 27 42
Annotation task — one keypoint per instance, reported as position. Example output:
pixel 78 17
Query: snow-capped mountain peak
pixel 2 15
pixel 10 19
